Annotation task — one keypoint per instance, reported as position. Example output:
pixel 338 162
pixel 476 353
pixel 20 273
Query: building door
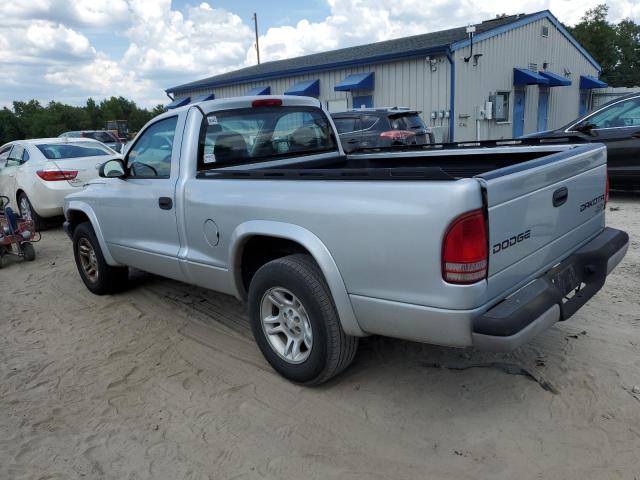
pixel 584 96
pixel 363 101
pixel 518 112
pixel 543 108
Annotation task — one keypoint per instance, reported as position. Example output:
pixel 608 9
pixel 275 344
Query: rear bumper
pixel 543 302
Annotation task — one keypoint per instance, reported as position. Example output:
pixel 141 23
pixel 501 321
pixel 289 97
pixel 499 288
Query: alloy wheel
pixel 88 260
pixel 286 325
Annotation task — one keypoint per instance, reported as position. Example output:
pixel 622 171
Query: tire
pixel 28 251
pixel 298 286
pixel 107 279
pixel 27 211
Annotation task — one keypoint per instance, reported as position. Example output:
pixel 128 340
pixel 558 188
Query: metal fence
pixel 603 95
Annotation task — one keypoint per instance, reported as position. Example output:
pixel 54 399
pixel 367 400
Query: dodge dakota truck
pixel 482 245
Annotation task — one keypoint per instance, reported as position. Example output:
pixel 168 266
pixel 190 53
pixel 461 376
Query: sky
pixel 70 50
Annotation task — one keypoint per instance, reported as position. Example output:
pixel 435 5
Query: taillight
pixel 267 102
pixel 57 175
pixel 398 134
pixel 606 191
pixel 464 249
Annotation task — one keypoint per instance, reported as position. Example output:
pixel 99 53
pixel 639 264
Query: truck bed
pixel 433 162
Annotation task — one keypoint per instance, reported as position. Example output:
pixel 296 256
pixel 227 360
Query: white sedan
pixel 37 174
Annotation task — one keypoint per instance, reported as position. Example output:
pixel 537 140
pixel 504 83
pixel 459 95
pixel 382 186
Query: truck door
pixel 137 214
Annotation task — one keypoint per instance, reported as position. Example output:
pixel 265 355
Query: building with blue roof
pixel 501 78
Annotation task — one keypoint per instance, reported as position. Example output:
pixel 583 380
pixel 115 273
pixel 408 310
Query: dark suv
pixel 105 136
pixel 617 125
pixel 381 127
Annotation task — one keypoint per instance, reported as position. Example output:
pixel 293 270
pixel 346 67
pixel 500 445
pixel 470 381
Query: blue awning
pixel 203 98
pixel 178 102
pixel 587 82
pixel 258 91
pixel 306 88
pixel 556 80
pixel 356 81
pixel 523 76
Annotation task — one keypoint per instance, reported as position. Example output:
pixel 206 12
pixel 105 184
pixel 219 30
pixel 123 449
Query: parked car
pixel 37 174
pixel 254 197
pixel 381 127
pixel 107 137
pixel 617 125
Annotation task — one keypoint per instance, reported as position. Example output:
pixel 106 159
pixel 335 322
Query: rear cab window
pixel 60 151
pixel 261 134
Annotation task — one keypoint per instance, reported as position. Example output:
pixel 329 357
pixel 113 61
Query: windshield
pixel 263 133
pixel 60 151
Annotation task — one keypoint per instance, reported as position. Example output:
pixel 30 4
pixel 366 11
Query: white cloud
pixel 84 13
pixel 167 43
pixel 354 22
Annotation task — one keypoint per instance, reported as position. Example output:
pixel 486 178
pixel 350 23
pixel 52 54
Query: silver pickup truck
pixel 460 245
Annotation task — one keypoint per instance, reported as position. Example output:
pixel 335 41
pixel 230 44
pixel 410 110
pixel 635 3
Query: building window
pixel 501 107
pixel 533 67
pixel 545 31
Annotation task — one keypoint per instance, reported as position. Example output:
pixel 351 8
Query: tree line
pixel 34 120
pixel 615 46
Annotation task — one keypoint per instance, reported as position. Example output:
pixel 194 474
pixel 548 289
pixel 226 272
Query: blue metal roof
pixel 356 81
pixel 179 102
pixel 433 43
pixel 555 80
pixel 524 20
pixel 203 98
pixel 259 91
pixel 306 88
pixel 524 76
pixel 587 82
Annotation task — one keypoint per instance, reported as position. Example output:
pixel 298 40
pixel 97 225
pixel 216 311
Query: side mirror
pixel 586 128
pixel 112 169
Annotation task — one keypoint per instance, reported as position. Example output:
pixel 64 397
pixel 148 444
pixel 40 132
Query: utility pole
pixel 255 25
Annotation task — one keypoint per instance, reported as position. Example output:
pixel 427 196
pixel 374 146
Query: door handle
pixel 636 135
pixel 560 196
pixel 353 140
pixel 165 203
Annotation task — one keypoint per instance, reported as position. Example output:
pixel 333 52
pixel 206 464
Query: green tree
pixel 9 126
pixel 33 120
pixel 615 47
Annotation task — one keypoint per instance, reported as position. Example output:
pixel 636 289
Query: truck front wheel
pixel 295 323
pixel 99 277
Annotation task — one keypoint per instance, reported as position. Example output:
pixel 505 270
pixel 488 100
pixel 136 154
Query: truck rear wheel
pixel 295 323
pixel 99 277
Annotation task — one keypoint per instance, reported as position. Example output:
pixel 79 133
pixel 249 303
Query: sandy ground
pixel 165 382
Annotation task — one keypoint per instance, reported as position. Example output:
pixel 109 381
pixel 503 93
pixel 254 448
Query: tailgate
pixel 87 167
pixel 541 211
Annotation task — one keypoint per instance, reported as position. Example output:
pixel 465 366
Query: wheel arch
pixel 303 241
pixel 75 213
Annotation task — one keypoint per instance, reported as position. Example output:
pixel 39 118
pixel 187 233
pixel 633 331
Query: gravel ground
pixel 164 382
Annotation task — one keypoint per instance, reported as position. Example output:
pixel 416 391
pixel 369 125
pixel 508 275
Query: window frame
pixel 585 118
pixel 202 167
pixel 507 107
pixel 125 160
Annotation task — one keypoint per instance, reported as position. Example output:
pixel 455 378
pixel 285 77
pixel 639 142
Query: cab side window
pixel 4 155
pixel 623 114
pixel 15 158
pixel 150 157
